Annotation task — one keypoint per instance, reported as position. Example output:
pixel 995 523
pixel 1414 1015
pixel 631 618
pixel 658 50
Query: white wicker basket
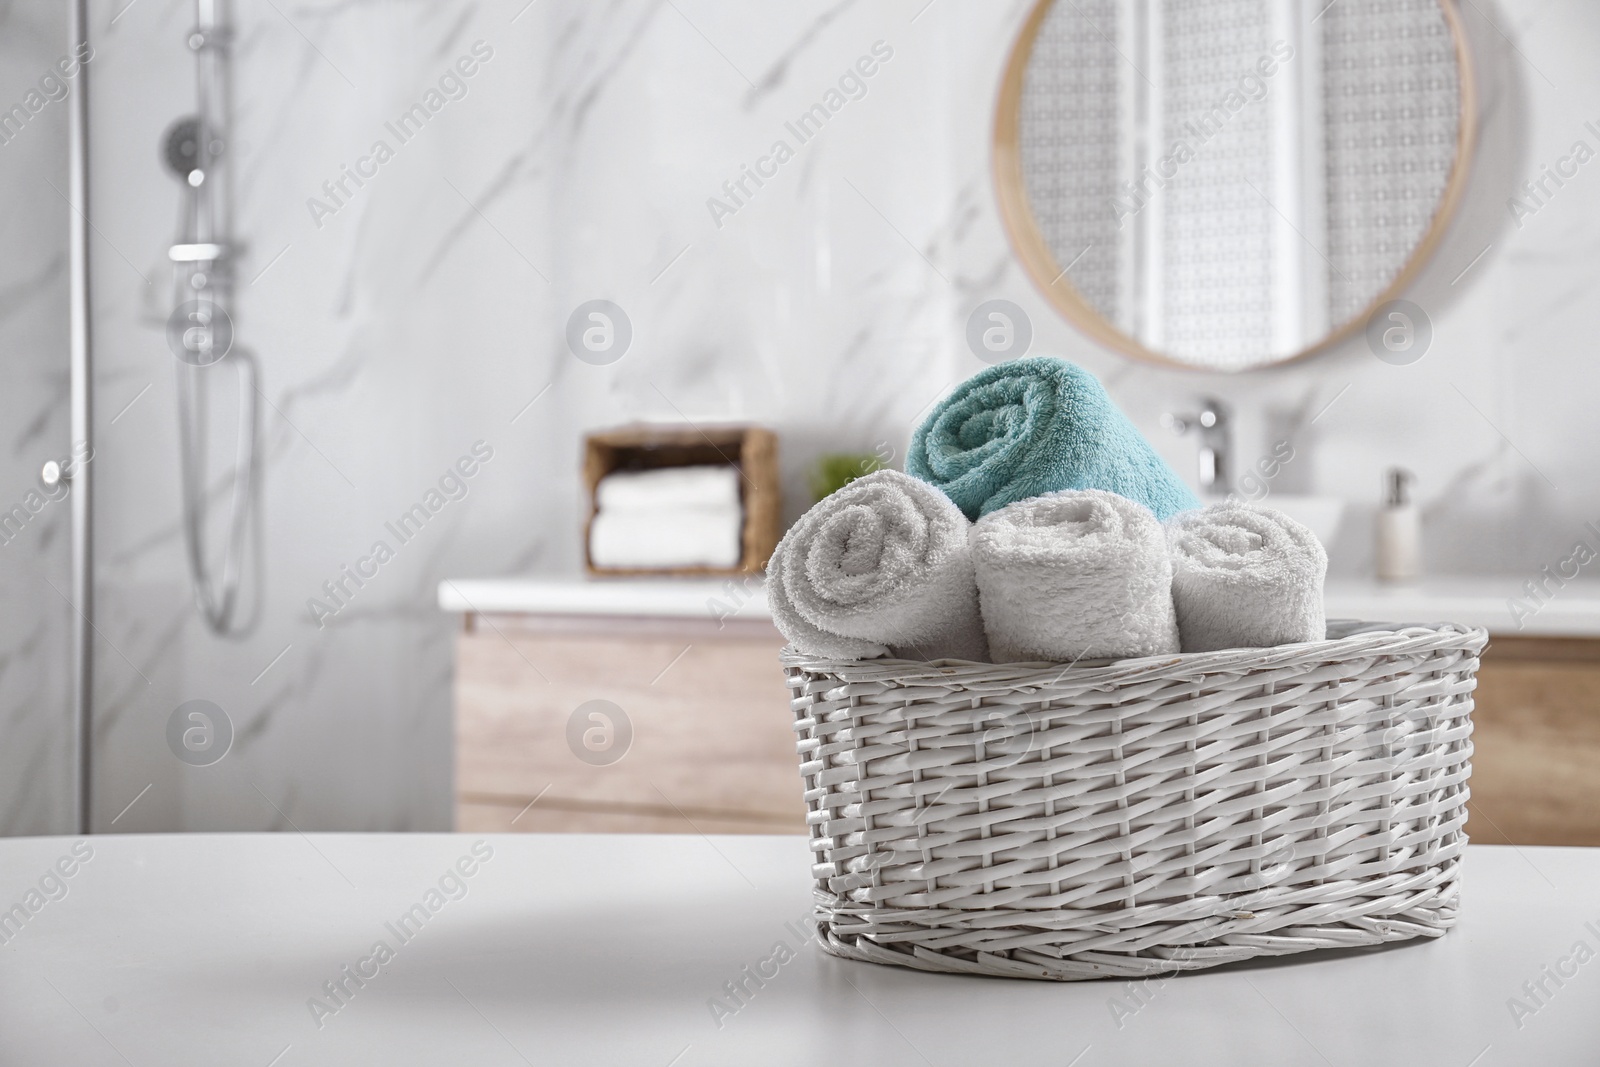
pixel 1140 817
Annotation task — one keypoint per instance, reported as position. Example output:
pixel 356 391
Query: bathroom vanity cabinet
pixel 697 717
pixel 624 725
pixel 1536 738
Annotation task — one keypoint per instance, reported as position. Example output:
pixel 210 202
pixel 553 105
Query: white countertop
pixel 667 598
pixel 1573 611
pixel 591 949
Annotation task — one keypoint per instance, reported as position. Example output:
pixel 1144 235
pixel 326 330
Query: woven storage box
pixel 1139 817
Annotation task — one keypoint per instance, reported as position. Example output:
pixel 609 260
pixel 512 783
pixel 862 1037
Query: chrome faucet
pixel 1215 443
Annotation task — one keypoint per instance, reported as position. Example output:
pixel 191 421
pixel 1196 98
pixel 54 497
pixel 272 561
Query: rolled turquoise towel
pixel 1035 426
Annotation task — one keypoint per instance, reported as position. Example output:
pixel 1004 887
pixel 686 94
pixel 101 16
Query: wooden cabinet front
pixel 626 726
pixel 1536 740
pixel 712 751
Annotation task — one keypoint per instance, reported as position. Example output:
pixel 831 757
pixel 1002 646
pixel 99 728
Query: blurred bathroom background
pixel 401 320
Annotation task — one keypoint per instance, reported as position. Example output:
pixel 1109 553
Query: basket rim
pixel 1356 639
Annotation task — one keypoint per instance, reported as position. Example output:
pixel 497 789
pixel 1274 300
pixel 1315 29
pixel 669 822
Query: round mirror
pixel 1227 184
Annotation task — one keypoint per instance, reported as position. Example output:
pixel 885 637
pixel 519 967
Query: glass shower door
pixel 38 77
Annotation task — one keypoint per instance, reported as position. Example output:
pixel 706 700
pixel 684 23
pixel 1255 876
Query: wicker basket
pixel 1140 817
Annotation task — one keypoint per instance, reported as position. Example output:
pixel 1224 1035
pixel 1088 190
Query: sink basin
pixel 1321 513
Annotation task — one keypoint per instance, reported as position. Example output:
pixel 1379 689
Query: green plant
pixel 835 470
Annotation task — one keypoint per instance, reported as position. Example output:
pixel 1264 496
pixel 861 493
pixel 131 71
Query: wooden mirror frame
pixel 1050 278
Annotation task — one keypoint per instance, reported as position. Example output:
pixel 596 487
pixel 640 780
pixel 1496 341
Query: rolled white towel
pixel 666 537
pixel 1080 573
pixel 880 567
pixel 1245 576
pixel 696 486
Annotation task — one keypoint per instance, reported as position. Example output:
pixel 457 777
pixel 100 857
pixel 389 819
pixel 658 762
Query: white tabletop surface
pixel 589 949
pixel 1571 611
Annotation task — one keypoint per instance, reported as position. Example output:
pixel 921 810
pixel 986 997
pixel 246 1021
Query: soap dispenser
pixel 1399 529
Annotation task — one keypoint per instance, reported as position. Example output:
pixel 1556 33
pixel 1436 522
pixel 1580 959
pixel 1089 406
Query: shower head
pixel 180 150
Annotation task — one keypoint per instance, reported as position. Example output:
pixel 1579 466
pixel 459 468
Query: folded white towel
pixel 666 537
pixel 879 567
pixel 700 486
pixel 1076 574
pixel 1245 576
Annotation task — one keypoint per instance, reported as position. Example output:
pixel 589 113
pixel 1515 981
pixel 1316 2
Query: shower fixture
pixel 196 151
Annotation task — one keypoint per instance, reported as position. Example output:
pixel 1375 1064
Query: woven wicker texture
pixel 1139 817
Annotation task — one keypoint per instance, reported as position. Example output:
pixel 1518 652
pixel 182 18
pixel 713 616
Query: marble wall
pixel 400 321
pixel 35 575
